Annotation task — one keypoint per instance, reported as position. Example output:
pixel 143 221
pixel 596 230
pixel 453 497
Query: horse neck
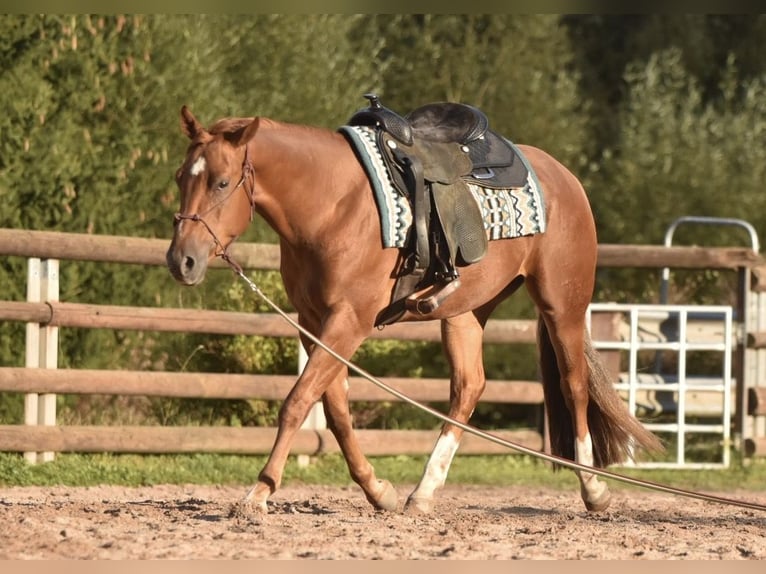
pixel 296 177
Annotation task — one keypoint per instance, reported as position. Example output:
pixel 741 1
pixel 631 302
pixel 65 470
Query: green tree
pixel 70 142
pixel 680 155
pixel 517 68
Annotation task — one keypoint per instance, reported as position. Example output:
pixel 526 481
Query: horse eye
pixel 223 184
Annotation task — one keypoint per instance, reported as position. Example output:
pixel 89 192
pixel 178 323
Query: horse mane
pixel 229 125
pixel 229 128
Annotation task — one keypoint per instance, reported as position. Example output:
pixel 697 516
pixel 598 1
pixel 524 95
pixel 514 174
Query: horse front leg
pixel 462 343
pixel 322 373
pixel 293 412
pixel 380 493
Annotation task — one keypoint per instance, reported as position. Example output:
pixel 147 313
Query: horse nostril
pixel 188 264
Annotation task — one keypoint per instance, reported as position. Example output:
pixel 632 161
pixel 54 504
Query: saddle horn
pixel 377 115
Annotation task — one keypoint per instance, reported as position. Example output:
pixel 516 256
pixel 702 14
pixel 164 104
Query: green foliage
pixel 11 408
pixel 679 154
pixel 515 67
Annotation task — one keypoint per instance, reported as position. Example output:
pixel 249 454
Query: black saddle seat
pixel 443 122
pixel 448 122
pixel 493 158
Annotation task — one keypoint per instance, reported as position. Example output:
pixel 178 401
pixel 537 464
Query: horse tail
pixel 615 433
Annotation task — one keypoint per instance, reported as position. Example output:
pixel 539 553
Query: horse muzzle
pixel 187 266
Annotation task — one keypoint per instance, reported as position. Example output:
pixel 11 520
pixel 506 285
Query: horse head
pixel 216 183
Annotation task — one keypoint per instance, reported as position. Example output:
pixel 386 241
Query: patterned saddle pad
pixel 507 213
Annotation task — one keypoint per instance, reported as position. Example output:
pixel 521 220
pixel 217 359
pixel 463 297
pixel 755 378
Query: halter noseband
pixel 248 175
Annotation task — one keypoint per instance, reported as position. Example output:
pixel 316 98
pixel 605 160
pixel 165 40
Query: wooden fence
pixel 41 435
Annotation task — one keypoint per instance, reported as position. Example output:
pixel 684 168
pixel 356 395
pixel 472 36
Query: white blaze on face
pixel 198 166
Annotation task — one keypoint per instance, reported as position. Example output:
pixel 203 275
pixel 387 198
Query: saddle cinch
pixel 432 154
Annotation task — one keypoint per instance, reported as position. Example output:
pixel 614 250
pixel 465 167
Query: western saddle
pixel 432 153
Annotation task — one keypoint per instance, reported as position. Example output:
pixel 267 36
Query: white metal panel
pixel 638 334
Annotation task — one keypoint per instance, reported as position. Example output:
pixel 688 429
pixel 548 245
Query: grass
pixel 144 470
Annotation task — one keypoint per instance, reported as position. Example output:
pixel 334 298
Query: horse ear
pixel 189 124
pixel 248 132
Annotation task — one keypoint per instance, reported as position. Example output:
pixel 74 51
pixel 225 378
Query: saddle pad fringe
pixel 507 213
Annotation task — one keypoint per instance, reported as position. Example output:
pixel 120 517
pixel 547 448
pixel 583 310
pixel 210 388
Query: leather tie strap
pixel 421 209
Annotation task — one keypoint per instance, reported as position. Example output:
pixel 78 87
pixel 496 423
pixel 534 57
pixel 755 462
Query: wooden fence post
pixel 41 348
pixel 32 347
pixel 49 342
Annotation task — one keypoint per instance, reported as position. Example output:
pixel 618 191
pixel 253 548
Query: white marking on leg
pixel 584 452
pixel 435 473
pixel 589 481
pixel 198 166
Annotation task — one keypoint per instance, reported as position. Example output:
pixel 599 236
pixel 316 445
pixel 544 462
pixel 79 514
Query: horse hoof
pixel 247 509
pixel 600 502
pixel 387 498
pixel 419 505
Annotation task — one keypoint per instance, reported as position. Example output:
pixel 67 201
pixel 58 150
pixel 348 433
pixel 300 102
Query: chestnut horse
pixel 308 185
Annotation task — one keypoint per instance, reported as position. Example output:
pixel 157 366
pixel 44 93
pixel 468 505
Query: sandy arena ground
pixel 319 522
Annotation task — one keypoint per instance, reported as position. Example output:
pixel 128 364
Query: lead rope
pixel 480 433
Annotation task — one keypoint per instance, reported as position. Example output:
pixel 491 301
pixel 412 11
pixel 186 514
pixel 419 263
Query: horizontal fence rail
pixel 239 386
pixel 237 440
pixel 145 251
pixel 57 314
pixel 116 249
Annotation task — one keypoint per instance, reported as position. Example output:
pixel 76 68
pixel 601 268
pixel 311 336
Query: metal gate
pixel 749 315
pixel 673 366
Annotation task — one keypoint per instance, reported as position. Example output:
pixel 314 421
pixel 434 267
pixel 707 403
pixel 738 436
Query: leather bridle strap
pixel 248 173
pixel 248 177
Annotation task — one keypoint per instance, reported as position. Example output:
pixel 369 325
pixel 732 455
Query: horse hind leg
pixel 565 374
pixel 461 340
pixel 588 419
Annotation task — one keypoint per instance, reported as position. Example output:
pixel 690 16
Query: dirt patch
pixel 316 522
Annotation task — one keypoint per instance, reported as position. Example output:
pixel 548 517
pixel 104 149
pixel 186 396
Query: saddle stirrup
pixel 431 299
